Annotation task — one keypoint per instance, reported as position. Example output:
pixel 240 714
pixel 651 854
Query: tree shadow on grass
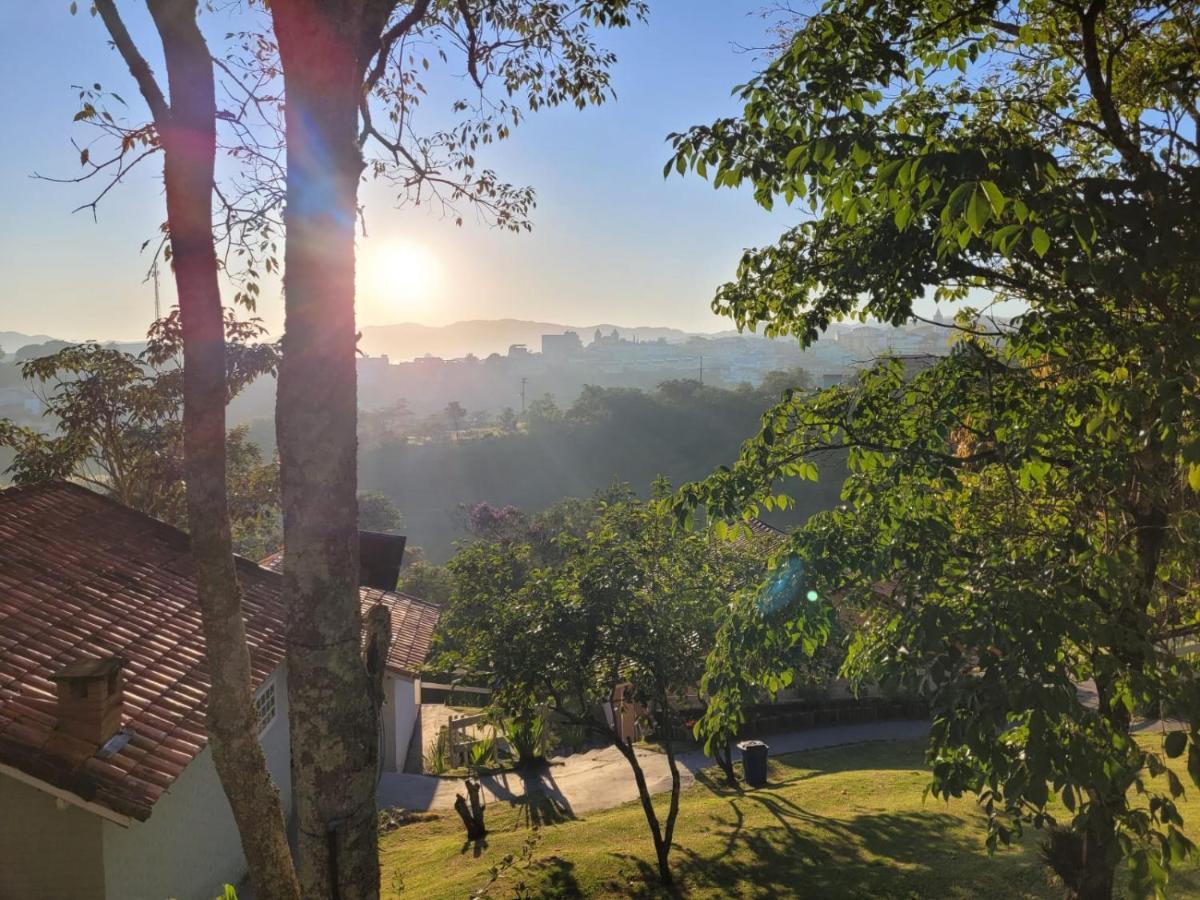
pixel 805 855
pixel 557 878
pixel 803 765
pixel 535 795
pixel 638 878
pixel 801 854
pixel 476 846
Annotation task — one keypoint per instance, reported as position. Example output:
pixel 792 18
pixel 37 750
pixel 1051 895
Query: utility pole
pixel 157 306
pixel 702 371
pixel 523 380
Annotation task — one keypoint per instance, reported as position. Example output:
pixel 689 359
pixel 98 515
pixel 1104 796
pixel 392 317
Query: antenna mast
pixel 157 305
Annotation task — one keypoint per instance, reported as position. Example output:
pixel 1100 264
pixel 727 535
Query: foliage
pixel 543 412
pixel 482 753
pixel 437 758
pixel 379 512
pixel 527 733
pixel 431 583
pixel 767 634
pixel 682 430
pixel 1021 517
pixel 507 420
pixel 455 414
pixel 558 622
pixel 117 427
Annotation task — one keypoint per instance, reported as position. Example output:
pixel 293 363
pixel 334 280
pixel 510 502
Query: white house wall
pixel 48 849
pixel 402 698
pixel 189 847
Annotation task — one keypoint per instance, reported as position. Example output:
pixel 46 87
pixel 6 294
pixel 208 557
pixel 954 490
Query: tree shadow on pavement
pixel 535 794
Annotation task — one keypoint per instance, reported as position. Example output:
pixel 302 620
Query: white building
pixel 107 786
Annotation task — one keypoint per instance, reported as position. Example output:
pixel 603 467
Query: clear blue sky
pixel 612 240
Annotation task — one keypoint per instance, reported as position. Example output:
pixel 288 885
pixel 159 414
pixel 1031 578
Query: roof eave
pixel 97 809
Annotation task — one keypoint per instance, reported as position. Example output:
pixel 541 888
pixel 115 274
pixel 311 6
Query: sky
pixel 613 241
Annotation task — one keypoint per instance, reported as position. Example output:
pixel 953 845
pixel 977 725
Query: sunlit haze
pixel 397 280
pixel 613 241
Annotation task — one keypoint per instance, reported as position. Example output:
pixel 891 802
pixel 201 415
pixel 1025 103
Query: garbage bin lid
pixel 746 745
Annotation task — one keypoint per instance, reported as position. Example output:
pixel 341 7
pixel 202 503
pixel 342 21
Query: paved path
pixel 600 779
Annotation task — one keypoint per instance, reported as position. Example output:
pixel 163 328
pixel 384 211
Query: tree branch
pixel 138 67
pixel 1102 93
pixel 388 40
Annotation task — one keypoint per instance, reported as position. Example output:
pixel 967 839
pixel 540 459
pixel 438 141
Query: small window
pixel 264 706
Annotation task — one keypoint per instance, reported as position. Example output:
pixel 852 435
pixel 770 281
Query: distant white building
pixel 556 347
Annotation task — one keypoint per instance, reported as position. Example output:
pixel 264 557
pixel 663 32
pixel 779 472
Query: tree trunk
pixel 1085 861
pixel 188 133
pixel 472 814
pixel 335 744
pixel 673 809
pixel 662 850
pixel 723 754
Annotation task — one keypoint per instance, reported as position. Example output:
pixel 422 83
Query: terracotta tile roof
pixel 762 537
pixel 82 577
pixel 413 621
pixel 274 562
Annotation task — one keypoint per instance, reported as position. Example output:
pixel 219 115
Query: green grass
pixel 844 822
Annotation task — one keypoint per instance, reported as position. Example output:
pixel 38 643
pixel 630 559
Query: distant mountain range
pixel 12 341
pixel 409 340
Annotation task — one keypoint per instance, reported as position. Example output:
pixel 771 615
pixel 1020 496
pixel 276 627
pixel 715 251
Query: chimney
pixel 379 558
pixel 90 699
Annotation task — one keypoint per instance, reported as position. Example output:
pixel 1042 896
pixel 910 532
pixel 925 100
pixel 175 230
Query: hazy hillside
pixel 12 341
pixel 684 432
pixel 410 340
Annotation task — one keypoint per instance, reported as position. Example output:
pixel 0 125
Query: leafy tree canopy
pixel 117 428
pixel 1020 519
pixel 378 512
pixel 593 596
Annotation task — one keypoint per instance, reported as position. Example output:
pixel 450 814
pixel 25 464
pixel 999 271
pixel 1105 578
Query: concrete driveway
pixel 599 779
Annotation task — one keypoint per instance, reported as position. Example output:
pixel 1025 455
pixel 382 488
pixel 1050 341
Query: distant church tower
pixel 937 315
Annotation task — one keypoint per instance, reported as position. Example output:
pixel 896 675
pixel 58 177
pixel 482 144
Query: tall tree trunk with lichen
pixel 187 129
pixel 335 744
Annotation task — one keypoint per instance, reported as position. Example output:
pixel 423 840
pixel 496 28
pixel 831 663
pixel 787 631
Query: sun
pixel 397 276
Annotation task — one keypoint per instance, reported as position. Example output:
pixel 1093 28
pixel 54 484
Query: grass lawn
pixel 844 822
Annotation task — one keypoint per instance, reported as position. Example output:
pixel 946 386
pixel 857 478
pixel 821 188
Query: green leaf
pixel 1194 476
pixel 978 211
pixel 995 197
pixel 1193 763
pixel 1041 241
pixel 1068 798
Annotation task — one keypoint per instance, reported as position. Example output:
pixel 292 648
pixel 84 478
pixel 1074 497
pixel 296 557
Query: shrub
pixel 528 737
pixel 437 759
